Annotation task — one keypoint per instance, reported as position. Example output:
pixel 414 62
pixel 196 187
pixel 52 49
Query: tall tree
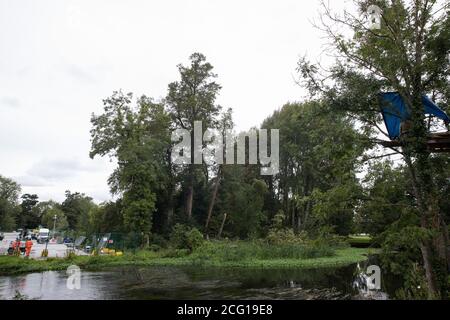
pixel 76 208
pixel 225 125
pixel 107 217
pixel 29 215
pixel 193 99
pixel 138 138
pixel 387 194
pixel 407 54
pixel 319 151
pixel 9 195
pixel 48 219
pixel 242 199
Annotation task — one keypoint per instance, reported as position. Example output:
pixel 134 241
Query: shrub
pixel 194 239
pixel 158 240
pixel 282 236
pixel 184 237
pixel 178 236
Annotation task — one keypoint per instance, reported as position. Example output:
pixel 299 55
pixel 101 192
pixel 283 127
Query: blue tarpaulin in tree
pixel 395 111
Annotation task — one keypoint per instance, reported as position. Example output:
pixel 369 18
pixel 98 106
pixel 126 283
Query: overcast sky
pixel 59 59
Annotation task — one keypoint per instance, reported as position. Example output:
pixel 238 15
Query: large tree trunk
pixel 293 214
pixel 170 207
pixel 446 240
pixel 212 201
pixel 434 253
pixel 190 186
pixel 426 187
pixel 431 218
pixel 433 291
pixel 189 199
pixel 307 206
pixel 440 242
pixel 146 240
pixel 222 225
pixel 170 190
pixel 425 248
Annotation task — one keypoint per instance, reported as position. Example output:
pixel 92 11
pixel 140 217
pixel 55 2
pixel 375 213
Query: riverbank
pixel 340 257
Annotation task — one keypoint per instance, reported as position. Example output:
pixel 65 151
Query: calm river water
pixel 195 283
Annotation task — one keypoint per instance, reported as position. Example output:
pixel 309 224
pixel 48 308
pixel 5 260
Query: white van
pixel 43 235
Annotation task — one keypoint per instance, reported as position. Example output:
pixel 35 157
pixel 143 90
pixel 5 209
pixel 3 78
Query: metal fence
pixel 96 241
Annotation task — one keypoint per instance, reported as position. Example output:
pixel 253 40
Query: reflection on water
pixel 192 283
pixel 364 284
pixel 52 285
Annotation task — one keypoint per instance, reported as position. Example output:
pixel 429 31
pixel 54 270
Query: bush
pixel 185 237
pixel 194 239
pixel 282 236
pixel 132 240
pixel 279 235
pixel 158 240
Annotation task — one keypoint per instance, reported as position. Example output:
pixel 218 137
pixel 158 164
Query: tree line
pixel 329 184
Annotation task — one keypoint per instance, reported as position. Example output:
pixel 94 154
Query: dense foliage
pixel 332 182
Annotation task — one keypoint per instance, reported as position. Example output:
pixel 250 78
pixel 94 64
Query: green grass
pixel 360 241
pixel 232 251
pixel 219 254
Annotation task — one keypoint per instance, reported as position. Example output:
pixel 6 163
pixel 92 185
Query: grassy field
pixel 240 255
pixel 360 241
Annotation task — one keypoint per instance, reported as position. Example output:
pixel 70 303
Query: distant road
pixel 54 249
